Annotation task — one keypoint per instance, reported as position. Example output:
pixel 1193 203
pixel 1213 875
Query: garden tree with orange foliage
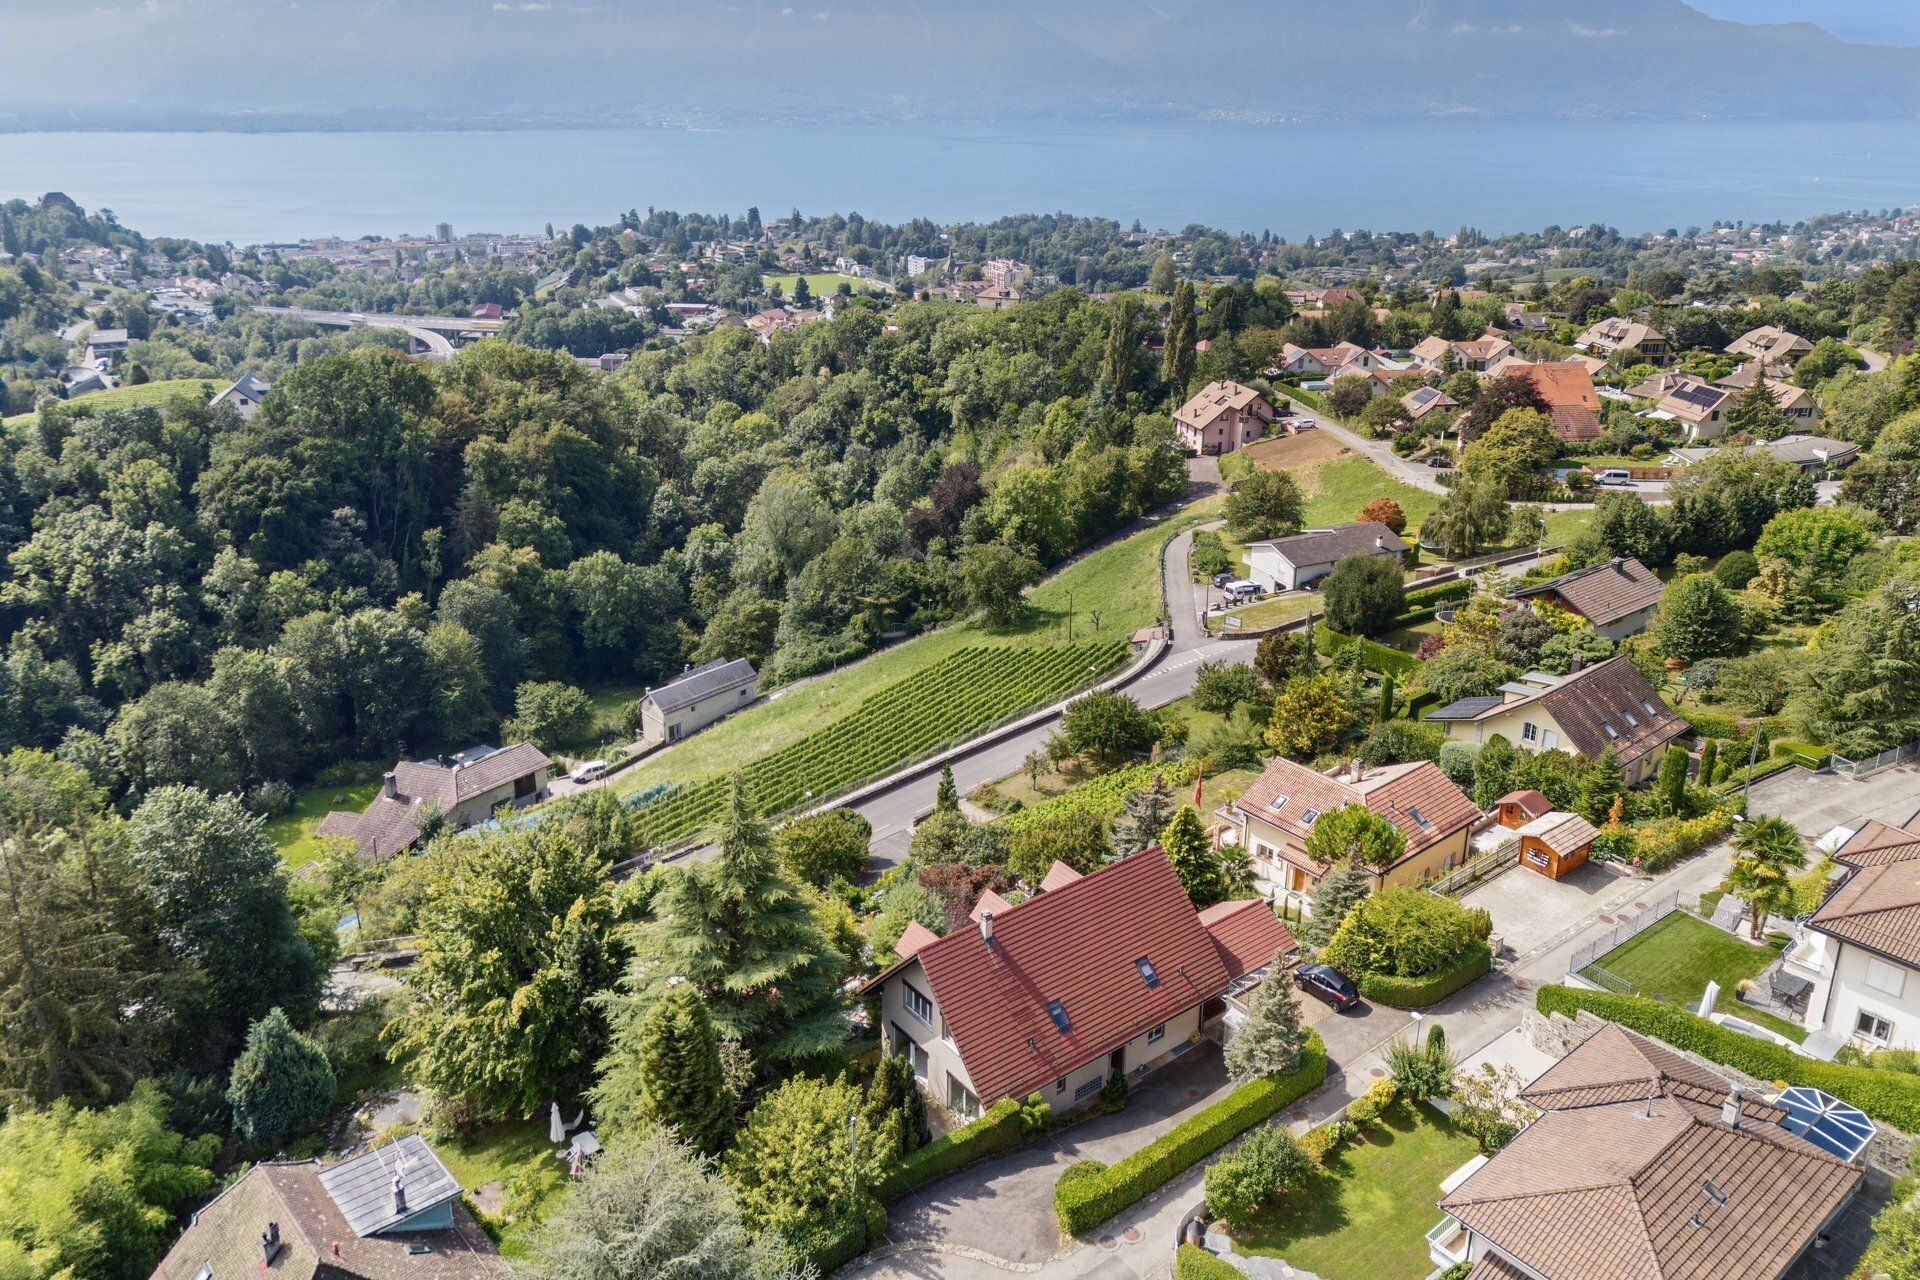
pixel 1387 512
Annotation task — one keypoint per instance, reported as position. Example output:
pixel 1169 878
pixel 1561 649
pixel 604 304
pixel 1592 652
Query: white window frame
pixel 1865 1020
pixel 911 998
pixel 1158 1034
pixel 1887 979
pixel 1528 733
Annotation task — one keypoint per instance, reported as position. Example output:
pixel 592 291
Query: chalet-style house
pixel 1422 401
pixel 1101 974
pixel 392 1213
pixel 1644 1165
pixel 464 788
pixel 1624 341
pixel 1616 598
pixel 1771 346
pixel 1282 564
pixel 1476 356
pixel 245 394
pixel 1698 406
pixel 1274 816
pixel 1222 417
pixel 1795 403
pixel 1573 406
pixel 1860 951
pixel 696 698
pixel 1609 704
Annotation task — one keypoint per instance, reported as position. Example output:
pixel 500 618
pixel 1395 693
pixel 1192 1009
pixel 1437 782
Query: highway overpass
pixel 432 334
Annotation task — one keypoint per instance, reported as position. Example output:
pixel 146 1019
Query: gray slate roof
pixel 362 1188
pixel 449 786
pixel 1324 546
pixel 703 681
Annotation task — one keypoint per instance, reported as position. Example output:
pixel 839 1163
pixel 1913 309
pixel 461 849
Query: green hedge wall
pixel 1425 596
pixel 1417 993
pixel 1191 1263
pixel 995 1131
pixel 1892 1096
pixel 828 1245
pixel 1089 1193
pixel 1377 657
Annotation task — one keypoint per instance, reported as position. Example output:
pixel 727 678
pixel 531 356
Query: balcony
pixel 1447 1242
pixel 1809 956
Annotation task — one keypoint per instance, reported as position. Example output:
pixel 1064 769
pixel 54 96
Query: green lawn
pixel 1337 489
pixel 1366 1214
pixel 293 830
pixel 501 1153
pixel 122 397
pixel 821 283
pixel 1268 613
pixel 1676 958
pixel 1111 591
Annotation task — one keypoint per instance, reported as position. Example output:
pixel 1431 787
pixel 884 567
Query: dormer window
pixel 1611 731
pixel 1058 1012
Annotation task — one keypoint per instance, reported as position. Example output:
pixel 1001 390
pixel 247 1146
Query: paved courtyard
pixel 1530 910
pixel 1818 802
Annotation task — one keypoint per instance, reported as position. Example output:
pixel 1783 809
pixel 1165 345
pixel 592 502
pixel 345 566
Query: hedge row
pixel 827 1246
pixel 1892 1096
pixel 1417 993
pixel 1377 657
pixel 1088 1192
pixel 1193 1263
pixel 1424 596
pixel 1106 794
pixel 998 1129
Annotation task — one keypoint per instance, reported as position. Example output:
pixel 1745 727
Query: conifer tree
pixel 1181 338
pixel 1201 868
pixel 1603 784
pixel 281 1083
pixel 677 1074
pixel 946 798
pixel 1143 816
pixel 1709 757
pixel 1270 1040
pixel 1671 785
pixel 1339 891
pixel 896 1108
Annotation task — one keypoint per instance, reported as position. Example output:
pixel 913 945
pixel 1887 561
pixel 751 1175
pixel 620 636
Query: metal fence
pixel 1585 956
pixel 1857 769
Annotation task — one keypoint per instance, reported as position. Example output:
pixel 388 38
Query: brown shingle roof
pixel 1217 398
pixel 1564 833
pixel 387 826
pixel 1246 933
pixel 1612 695
pixel 1878 907
pixel 1077 945
pixel 1572 403
pixel 1619 1190
pixel 431 781
pixel 1416 797
pixel 1604 593
pixel 1616 1065
pixel 1529 802
pixel 1491 1266
pixel 1876 842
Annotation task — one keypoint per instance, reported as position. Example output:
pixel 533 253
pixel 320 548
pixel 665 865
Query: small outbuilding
pixel 1517 808
pixel 700 696
pixel 1556 843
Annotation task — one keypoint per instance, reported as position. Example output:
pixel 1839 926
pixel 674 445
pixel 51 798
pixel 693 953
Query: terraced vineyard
pixel 949 700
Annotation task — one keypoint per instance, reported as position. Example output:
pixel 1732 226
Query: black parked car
pixel 1327 983
pixel 1222 579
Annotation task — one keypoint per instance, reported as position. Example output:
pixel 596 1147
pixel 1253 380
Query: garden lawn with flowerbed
pixel 1364 1214
pixel 1676 958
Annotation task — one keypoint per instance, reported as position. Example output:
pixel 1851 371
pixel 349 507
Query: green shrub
pixel 1432 988
pixel 825 1246
pixel 1319 1143
pixel 1193 1263
pixel 1083 1200
pixel 1892 1096
pixel 1405 931
pixel 1712 724
pixel 1104 795
pixel 1001 1128
pixel 1665 841
pixel 1420 597
pixel 1268 1163
pixel 1375 657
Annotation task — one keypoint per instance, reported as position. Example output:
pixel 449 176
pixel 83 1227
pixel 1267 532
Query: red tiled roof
pixel 989 901
pixel 1397 792
pixel 1247 934
pixel 1572 403
pixel 1058 875
pixel 912 938
pixel 1077 945
pixel 1531 803
pixel 1877 842
pixel 1878 907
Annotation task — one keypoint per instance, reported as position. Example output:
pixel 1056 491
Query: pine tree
pixel 1671 785
pixel 1756 412
pixel 895 1107
pixel 1339 891
pixel 677 1074
pixel 1201 868
pixel 946 798
pixel 281 1083
pixel 1603 784
pixel 1143 816
pixel 1709 757
pixel 745 938
pixel 1270 1040
pixel 1182 334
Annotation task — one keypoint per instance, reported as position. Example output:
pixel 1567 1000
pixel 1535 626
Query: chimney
pixel 986 927
pixel 1579 661
pixel 399 1196
pixel 1730 1109
pixel 389 784
pixel 269 1243
pixel 1354 769
pixel 1380 541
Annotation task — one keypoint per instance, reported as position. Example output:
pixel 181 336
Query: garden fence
pixel 1857 769
pixel 1474 870
pixel 1583 958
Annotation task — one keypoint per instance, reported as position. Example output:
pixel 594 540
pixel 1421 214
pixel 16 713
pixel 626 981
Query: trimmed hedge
pixel 998 1129
pixel 1193 1263
pixel 1892 1096
pixel 1417 993
pixel 1434 596
pixel 829 1245
pixel 1088 1193
pixel 1377 657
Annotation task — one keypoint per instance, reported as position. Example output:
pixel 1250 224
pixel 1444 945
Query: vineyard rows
pixel 957 696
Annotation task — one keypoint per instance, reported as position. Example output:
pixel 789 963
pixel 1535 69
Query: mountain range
pixel 128 64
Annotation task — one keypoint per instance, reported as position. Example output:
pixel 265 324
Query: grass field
pixel 1111 591
pixel 820 283
pixel 1364 1216
pixel 1676 958
pixel 293 831
pixel 122 397
pixel 1267 613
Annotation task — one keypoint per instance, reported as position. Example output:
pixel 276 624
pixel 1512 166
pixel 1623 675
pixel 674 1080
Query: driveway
pixel 1529 909
pixel 1818 802
pixel 1001 1211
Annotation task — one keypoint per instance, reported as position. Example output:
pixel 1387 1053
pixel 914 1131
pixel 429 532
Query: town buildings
pixel 1625 342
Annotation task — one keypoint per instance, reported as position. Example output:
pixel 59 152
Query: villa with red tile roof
pixel 1222 417
pixel 1105 973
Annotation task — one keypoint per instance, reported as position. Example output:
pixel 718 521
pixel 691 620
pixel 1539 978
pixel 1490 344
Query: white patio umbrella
pixel 556 1131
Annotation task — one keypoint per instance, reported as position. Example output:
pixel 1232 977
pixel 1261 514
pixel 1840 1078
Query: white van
pixel 1241 589
pixel 1613 475
pixel 588 770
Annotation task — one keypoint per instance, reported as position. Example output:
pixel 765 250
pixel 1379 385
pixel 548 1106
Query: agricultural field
pixel 819 283
pixel 130 396
pixel 959 696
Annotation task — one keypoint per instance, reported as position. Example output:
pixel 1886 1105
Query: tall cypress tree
pixel 677 1069
pixel 1178 361
pixel 1201 868
pixel 946 797
pixel 896 1108
pixel 1121 361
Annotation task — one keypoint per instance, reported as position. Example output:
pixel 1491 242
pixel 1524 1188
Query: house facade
pixel 1049 997
pixel 1860 951
pixel 464 788
pixel 1222 417
pixel 1625 341
pixel 1283 564
pixel 1617 598
pixel 1274 818
pixel 1608 705
pixel 246 394
pixel 698 697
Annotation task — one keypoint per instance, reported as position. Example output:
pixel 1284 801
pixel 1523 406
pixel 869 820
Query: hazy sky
pixel 1865 21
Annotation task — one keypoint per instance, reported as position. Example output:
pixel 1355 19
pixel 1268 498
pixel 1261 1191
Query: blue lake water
pixel 1293 179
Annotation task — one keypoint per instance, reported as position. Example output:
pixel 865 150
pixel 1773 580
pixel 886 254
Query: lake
pixel 1295 180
